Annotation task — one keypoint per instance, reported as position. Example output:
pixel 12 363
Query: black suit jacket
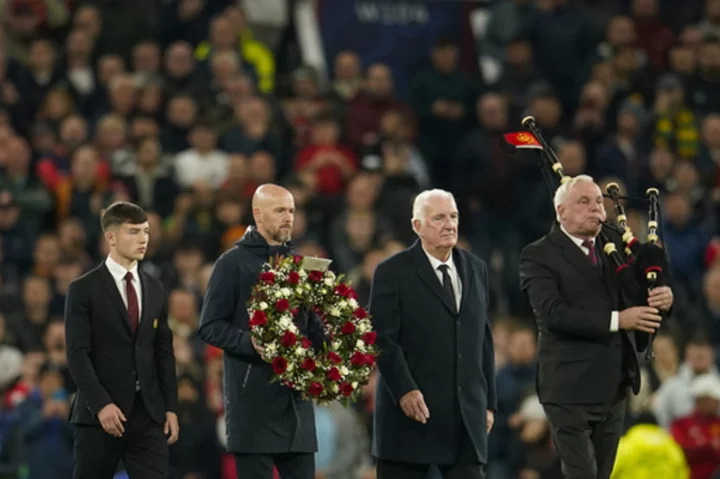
pixel 104 357
pixel 425 345
pixel 579 360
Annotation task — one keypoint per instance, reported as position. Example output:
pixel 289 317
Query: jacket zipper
pixel 247 375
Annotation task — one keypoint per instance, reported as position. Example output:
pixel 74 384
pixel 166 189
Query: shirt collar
pixel 118 271
pixel 436 263
pixel 577 241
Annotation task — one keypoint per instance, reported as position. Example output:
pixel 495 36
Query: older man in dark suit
pixel 436 396
pixel 587 346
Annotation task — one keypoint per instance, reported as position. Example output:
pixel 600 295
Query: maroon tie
pixel 591 252
pixel 132 302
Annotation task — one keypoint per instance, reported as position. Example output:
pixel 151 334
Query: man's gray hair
pixel 566 187
pixel 420 204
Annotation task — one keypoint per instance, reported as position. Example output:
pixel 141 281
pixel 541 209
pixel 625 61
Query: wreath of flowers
pixel 343 366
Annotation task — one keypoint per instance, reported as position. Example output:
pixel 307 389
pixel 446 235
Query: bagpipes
pixel 647 264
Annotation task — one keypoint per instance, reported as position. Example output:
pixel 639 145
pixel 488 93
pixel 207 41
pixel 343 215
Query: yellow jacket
pixel 648 452
pixel 253 52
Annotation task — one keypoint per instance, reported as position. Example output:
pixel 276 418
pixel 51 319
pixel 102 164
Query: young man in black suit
pixel 120 355
pixel 586 349
pixel 436 396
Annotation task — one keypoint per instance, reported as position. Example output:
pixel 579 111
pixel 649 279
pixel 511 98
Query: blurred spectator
pixel 699 433
pixel 673 399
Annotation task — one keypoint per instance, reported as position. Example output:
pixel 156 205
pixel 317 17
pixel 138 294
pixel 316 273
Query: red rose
pixel 357 359
pixel 334 374
pixel 352 294
pixel 346 389
pixel 294 312
pixel 334 357
pixel 267 277
pixel 308 365
pixel 370 337
pixel 348 328
pixel 279 365
pixel 315 276
pixel 315 389
pixel 305 343
pixel 258 318
pixel 288 339
pixel 297 259
pixel 360 313
pixel 293 277
pixel 282 305
pixel 342 290
pixel 369 359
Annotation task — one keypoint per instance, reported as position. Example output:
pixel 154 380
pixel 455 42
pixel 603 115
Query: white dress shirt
pixel 118 273
pixel 614 316
pixel 452 271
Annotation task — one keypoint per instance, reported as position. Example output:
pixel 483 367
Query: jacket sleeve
pixel 488 351
pixel 79 347
pixel 387 321
pixel 165 359
pixel 217 326
pixel 542 287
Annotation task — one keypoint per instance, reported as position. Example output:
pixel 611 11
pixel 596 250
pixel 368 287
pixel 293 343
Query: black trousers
pixel 143 448
pixel 466 465
pixel 587 436
pixel 292 465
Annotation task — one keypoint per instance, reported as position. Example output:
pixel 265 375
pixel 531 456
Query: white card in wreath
pixel 311 263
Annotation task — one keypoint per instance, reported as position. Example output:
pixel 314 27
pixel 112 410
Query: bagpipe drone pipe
pixel 647 264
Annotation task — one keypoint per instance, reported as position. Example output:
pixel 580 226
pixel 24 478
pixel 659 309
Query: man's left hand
pixel 490 420
pixel 661 298
pixel 171 427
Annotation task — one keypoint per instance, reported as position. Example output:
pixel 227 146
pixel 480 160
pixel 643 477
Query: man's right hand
pixel 640 318
pixel 112 419
pixel 413 405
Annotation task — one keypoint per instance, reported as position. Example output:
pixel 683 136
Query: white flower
pixel 299 351
pixel 343 304
pixel 263 306
pixel 278 293
pixel 335 312
pixel 271 349
pixel 285 321
pixel 307 287
pixel 335 388
pixel 293 329
pixel 302 273
pixel 286 292
pixel 336 345
pixel 360 344
pixel 329 281
pixel 290 367
pixel 344 370
pixel 354 384
pixel 323 291
pixel 299 291
pixel 330 274
pixel 353 303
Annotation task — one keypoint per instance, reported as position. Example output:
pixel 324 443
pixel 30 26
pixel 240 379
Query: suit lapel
pixel 576 257
pixel 144 317
pixel 428 276
pixel 465 276
pixel 112 290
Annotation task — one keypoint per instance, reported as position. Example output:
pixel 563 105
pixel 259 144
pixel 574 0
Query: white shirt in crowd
pixel 192 166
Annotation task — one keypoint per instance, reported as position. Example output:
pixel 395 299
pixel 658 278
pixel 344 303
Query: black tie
pixel 447 284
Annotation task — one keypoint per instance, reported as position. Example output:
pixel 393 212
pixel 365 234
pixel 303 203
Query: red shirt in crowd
pixel 699 436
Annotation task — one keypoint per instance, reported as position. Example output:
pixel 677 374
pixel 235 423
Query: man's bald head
pixel 274 211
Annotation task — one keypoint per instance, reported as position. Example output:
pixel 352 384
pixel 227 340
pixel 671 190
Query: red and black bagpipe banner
pixel 523 139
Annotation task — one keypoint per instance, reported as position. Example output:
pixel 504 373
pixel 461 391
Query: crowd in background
pixel 177 106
